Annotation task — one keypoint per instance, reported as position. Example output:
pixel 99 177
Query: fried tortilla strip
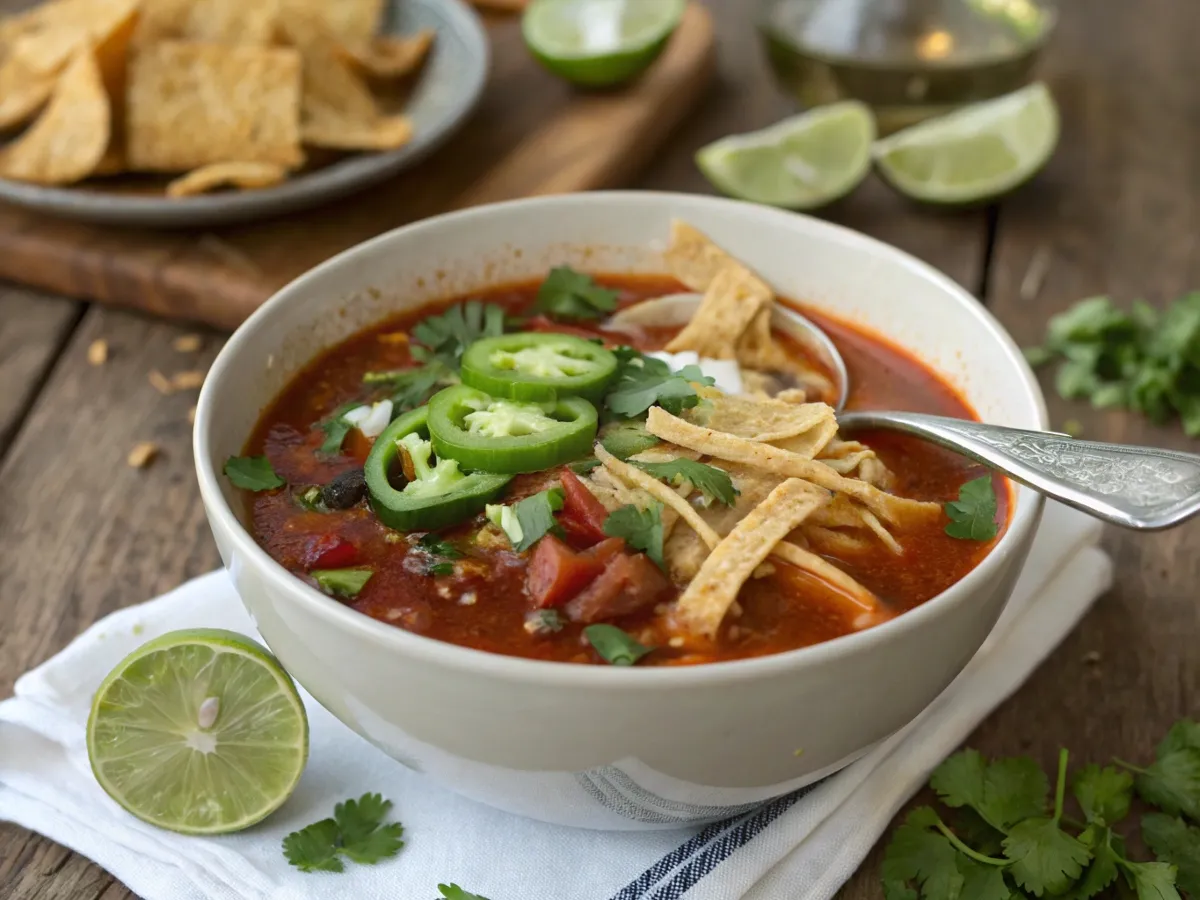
pixel 351 21
pixel 847 457
pixel 702 606
pixel 809 427
pixel 756 347
pixel 896 510
pixel 389 57
pixel 844 512
pixel 694 259
pixel 837 543
pixel 666 495
pixel 192 104
pixel 733 298
pixel 862 603
pixel 69 139
pixel 245 175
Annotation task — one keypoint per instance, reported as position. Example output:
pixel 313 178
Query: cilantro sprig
pixel 643 381
pixel 1008 839
pixel 413 387
pixel 715 484
pixel 973 515
pixel 528 520
pixel 567 294
pixel 454 892
pixel 357 832
pixel 1140 359
pixel 252 473
pixel 443 338
pixel 439 554
pixel 642 529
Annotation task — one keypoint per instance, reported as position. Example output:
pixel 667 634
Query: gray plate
pixel 447 90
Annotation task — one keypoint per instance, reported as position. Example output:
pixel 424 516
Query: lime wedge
pixel 975 153
pixel 599 43
pixel 200 732
pixel 803 162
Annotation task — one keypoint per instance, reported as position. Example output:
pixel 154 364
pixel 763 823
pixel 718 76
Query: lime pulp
pixel 599 43
pixel 198 731
pixel 976 153
pixel 803 162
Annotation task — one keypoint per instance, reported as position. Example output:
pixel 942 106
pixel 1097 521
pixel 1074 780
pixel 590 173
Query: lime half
pixel 975 153
pixel 199 731
pixel 599 43
pixel 803 162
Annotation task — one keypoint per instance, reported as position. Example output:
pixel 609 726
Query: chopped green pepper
pixel 438 495
pixel 533 366
pixel 482 432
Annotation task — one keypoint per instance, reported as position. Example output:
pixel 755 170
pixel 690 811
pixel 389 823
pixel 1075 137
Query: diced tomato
pixel 557 573
pixel 330 552
pixel 629 583
pixel 582 516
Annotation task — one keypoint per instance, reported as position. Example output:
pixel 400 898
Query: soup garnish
pixel 549 471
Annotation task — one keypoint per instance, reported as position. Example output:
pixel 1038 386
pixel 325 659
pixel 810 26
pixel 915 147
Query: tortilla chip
pixel 162 20
pixel 733 299
pixel 352 21
pixel 389 58
pixel 245 175
pixel 69 139
pixel 383 133
pixel 771 421
pixel 694 259
pixel 333 95
pixel 897 510
pixel 248 22
pixel 702 606
pixel 67 28
pixel 193 104
pixel 23 92
pixel 756 347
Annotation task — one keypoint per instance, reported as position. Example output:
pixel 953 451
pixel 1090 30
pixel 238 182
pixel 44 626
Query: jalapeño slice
pixel 483 432
pixel 533 366
pixel 439 493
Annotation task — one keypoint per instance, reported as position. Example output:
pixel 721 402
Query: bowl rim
pixel 514 669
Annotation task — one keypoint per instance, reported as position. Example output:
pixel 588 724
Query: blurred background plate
pixel 445 92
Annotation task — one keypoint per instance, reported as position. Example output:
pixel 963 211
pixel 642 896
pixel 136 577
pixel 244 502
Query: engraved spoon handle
pixel 1135 487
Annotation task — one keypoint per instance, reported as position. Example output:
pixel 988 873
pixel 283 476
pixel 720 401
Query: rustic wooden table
pixel 1118 211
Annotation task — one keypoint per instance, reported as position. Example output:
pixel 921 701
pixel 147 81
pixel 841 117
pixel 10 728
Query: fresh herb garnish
pixel 454 892
pixel 1139 359
pixel 1172 781
pixel 643 381
pixel 336 428
pixel 412 388
pixel 252 473
pixel 440 552
pixel 342 582
pixel 713 483
pixel 973 514
pixel 527 521
pixel 443 338
pixel 1004 843
pixel 626 437
pixel 544 621
pixel 356 831
pixel 310 499
pixel 567 294
pixel 617 647
pixel 583 466
pixel 642 529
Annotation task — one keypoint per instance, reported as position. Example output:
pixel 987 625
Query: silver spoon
pixel 1135 487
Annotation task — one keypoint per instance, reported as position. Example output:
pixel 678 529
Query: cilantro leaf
pixel 336 428
pixel 959 780
pixel 342 582
pixel 713 483
pixel 927 857
pixel 1103 870
pixel 535 515
pixel 627 437
pixel 1184 735
pixel 413 387
pixel 1151 880
pixel 617 647
pixel 1172 782
pixel 982 882
pixel 356 831
pixel 643 381
pixel 444 337
pixel 432 544
pixel 583 466
pixel 252 473
pixel 1103 794
pixel 454 892
pixel 1045 859
pixel 1172 841
pixel 973 514
pixel 314 848
pixel 567 294
pixel 642 529
pixel 898 890
pixel 1003 792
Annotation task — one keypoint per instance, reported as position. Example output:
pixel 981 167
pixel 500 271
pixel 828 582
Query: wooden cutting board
pixel 531 135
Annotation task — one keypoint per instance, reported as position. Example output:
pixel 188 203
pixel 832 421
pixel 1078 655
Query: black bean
pixel 345 490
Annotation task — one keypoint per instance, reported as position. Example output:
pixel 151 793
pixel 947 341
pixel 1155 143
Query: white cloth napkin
pixel 802 846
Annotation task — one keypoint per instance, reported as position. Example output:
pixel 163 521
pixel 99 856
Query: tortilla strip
pixel 659 491
pixel 768 420
pixel 756 348
pixel 897 510
pixel 837 543
pixel 732 300
pixel 245 175
pixel 694 259
pixel 859 596
pixel 702 606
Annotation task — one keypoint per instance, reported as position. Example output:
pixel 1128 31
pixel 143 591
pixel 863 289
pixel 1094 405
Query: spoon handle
pixel 1136 487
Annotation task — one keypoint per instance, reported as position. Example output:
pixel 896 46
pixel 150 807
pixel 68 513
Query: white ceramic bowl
pixel 595 746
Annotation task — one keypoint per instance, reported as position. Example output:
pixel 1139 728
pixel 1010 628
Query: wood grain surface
pixel 1117 211
pixel 532 134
